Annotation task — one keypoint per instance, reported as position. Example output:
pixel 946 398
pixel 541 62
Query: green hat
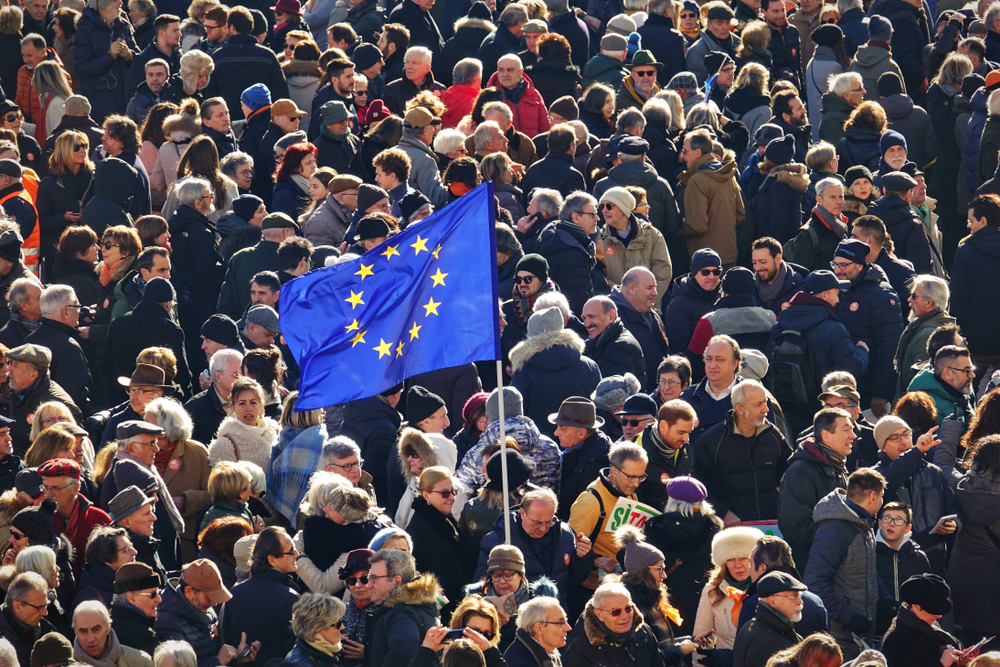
pixel 645 58
pixel 721 12
pixel 333 112
pixel 278 221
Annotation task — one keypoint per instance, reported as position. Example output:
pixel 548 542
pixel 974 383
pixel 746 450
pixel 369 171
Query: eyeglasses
pixel 55 489
pixel 487 634
pixel 152 596
pixel 796 596
pixel 523 279
pixel 350 467
pixel 893 521
pixel 79 147
pixel 896 437
pixel 412 455
pixel 212 27
pixel 710 272
pixel 840 265
pixel 538 524
pixel 446 494
pixel 966 371
pixel 669 383
pixel 644 72
pixel 640 478
pixel 339 625
pixel 36 607
pixel 559 622
pixel 592 214
pixel 633 422
pixel 288 553
pixel 354 581
pixel 11 117
pixel 857 90
pixel 126 548
pixel 108 245
pixel 617 612
pixel 361 92
pixel 373 577
pixel 55 420
pixel 133 390
pixel 506 576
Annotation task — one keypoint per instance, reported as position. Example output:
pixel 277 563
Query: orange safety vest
pixel 29 248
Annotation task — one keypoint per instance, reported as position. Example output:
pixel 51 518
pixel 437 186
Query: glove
pixel 125 52
pixel 860 625
pixel 114 50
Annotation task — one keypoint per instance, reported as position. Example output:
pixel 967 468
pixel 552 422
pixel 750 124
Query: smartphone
pixel 244 653
pixel 452 635
pixel 943 520
pixel 707 640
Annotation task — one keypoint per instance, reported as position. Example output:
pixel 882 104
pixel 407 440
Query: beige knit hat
pixel 885 427
pixel 505 557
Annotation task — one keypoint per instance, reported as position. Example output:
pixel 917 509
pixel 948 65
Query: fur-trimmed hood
pixel 481 24
pixel 793 175
pixel 413 439
pixel 185 124
pixel 528 348
pixel 10 505
pixel 595 635
pixel 305 68
pixel 543 586
pixel 425 589
pixel 855 205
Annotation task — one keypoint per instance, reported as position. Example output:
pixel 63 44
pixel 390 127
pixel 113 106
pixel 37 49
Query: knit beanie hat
pixel 705 258
pixel 566 107
pixel 51 649
pixel 971 83
pixel 739 280
pixel 412 203
pixel 612 391
pixel 885 427
pixel 256 96
pixel 245 206
pixel 513 405
pixel 10 245
pixel 369 195
pixel 638 553
pixel 421 404
pixel 879 29
pixel 519 470
pixel 634 44
pixel 857 171
pixel 781 151
pixel 889 139
pixel 222 330
pixel 621 25
pixel 36 522
pixel 621 198
pixel 889 84
pixel 243 552
pixel 473 405
pixel 159 290
pixel 547 321
pixel 534 264
pixel 505 557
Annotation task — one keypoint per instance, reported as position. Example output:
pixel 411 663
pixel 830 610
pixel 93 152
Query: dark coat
pixel 709 410
pixel 134 628
pixel 206 413
pixel 794 277
pixel 913 642
pixel 581 466
pixel 854 28
pixel 374 425
pixel 43 391
pixel 196 265
pixel 909 38
pixel 13 334
pixel 660 36
pixel 555 78
pixel 907 231
pixel 465 43
pixel 290 199
pixel 239 64
pixel 594 648
pixel 871 312
pixel 576 32
pixel 69 367
pixel 19 635
pixel 177 619
pixel 860 146
pixel 83 124
pixel 423 29
pixel 336 154
pixel 102 77
pixel 146 325
pixel 410 610
pixel 814 618
pixel 572 259
pixel 137 75
pixel 10 52
pixel 974 568
pixel 810 477
pixel 897 565
pixel 524 651
pixel 683 305
pixel 777 208
pixel 442 548
pixel 261 607
pixel 648 331
pixel 816 257
pixel 52 203
pixel 617 352
pixel 97 582
pixel 915 125
pixel 662 463
pixel 253 132
pixel 554 171
pixel 740 473
pixel 974 272
pixel 494 46
pixel 899 272
pixel 114 184
pixel 767 633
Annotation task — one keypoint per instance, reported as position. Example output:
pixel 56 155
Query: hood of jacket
pixel 978 101
pixel 897 106
pixel 458 94
pixel 414 439
pixel 986 241
pixel 595 635
pixel 834 506
pixel 115 179
pixel 804 313
pixel 600 64
pixel 793 175
pixel 553 351
pixel 742 100
pixel 725 172
pixel 424 590
pixel 470 32
pixel 302 68
pixel 978 495
pixel 861 135
pixel 871 56
pixel 640 173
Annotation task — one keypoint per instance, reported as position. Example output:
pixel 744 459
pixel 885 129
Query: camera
pixel 87 315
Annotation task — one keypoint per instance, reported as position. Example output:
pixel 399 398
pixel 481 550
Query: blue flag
pixel 421 300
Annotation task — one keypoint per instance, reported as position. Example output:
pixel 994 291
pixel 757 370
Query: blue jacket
pixel 261 607
pixel 576 33
pixel 683 305
pixel 177 619
pixel 288 198
pixel 572 260
pixel 973 133
pixel 102 77
pixel 855 30
pixel 410 610
pixel 97 582
pixel 660 36
pixel 828 339
pixel 871 312
pixel 777 208
pixel 581 466
pixel 860 146
pixel 974 275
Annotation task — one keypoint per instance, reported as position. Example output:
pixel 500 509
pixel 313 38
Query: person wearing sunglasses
pixel 616 632
pixel 358 619
pixel 318 624
pixel 692 297
pixel 635 415
pixel 640 85
pixel 479 614
pixel 137 589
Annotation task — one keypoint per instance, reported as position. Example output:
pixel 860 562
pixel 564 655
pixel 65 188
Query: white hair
pixel 994 103
pixel 500 108
pixel 220 358
pixel 553 300
pixel 448 141
pixel 484 133
pixel 171 417
pixel 8 656
pixel 422 51
pixel 55 298
pixel 94 606
pixel 826 184
pixel 610 589
pixel 534 611
pixel 193 189
pixel 841 84
pixel 512 58
pixel 179 653
pixel 738 393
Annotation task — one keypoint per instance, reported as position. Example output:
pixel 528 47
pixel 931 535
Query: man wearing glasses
pixel 898 556
pixel 950 383
pixel 75 516
pixel 566 246
pixel 342 457
pixel 872 313
pixel 137 593
pixel 609 616
pixel 771 629
pixel 22 621
pixel 146 384
pixel 208 408
pixel 640 85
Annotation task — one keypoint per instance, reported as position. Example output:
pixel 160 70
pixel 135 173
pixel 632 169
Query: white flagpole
pixel 503 453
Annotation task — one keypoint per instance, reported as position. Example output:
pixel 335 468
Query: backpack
pixel 790 246
pixel 792 376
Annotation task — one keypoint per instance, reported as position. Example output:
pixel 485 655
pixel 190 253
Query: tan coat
pixel 647 249
pixel 188 477
pixel 713 206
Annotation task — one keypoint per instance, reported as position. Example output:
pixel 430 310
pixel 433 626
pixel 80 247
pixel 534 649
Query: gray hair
pixel 629 119
pixel 193 189
pixel 321 487
pixel 8 656
pixel 686 508
pixel 94 606
pixel 422 51
pixel 171 417
pixel 179 653
pixel 622 453
pixel 231 164
pixel 575 203
pixel 23 584
pixel 466 71
pixel 55 298
pixel 632 276
pixel 993 104
pixel 534 611
pixel 606 303
pixel 660 7
pixel 258 482
pixel 543 495
pixel 704 113
pixel 219 360
pixel 838 377
pixel 992 15
pixel 315 612
pixel 19 292
pixel 510 57
pixel 500 108
pixel 40 559
pixel 484 133
pixel 826 184
pixel 841 84
pixel 548 201
pixel 340 447
pixel 844 6
pixel 657 111
pixel 934 288
pixel 608 590
pixel 553 300
pixel 448 141
pixel 513 14
pixel 738 393
pixel 397 563
pixel 820 155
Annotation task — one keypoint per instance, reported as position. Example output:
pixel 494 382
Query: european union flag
pixel 421 300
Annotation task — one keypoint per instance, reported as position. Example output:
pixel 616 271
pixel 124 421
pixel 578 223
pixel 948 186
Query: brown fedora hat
pixel 577 411
pixel 147 375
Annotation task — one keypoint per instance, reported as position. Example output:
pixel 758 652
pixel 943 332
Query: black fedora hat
pixel 577 411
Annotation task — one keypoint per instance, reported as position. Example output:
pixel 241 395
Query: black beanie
pixel 421 404
pixel 222 330
pixel 36 522
pixel 889 84
pixel 535 264
pixel 159 290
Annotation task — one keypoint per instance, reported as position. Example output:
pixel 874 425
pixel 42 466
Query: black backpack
pixel 792 376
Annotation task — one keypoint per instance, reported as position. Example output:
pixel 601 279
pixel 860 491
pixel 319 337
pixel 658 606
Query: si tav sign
pixel 629 512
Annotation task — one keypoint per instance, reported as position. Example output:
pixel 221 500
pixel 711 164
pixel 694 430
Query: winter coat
pixel 871 62
pixel 795 275
pixel 871 312
pixel 69 367
pixel 648 331
pixel 686 303
pixel 137 72
pixel 972 571
pixel 660 36
pixel 554 78
pixel 909 38
pixel 659 195
pixel 236 441
pixel 510 198
pixel 424 174
pixel 855 30
pixel 133 628
pixel 713 207
pixel 646 249
pixel 102 77
pixel 337 155
pixel 571 257
pixel 177 619
pixel 304 78
pixel 663 462
pixel 43 391
pixel 188 478
pixel 114 184
pixel 549 369
pixel 604 69
pixel 441 548
pixel 531 116
pixel 740 473
pixel 908 233
pixel 989 145
pixel 718 617
pixel 946 400
pixel 814 617
pixel 860 146
pixel 97 582
pixel 829 342
pixel 812 257
pixel 821 68
pixel 767 633
pixel 52 203
pixel 617 352
pixel 842 563
pixel 914 642
pixel 706 44
pixel 974 271
pixel 148 324
pixel 423 31
pixel 749 106
pixel 196 265
pixel 897 565
pixel 288 198
pixel 554 171
pixel 941 104
pixel 576 33
pixel 234 296
pixel 304 655
pixel 595 648
pixel 410 610
pixel 373 424
pixel 915 125
pixel 545 454
pixel 458 100
pixel 777 208
pixel 367 20
pixel 325 225
pixel 494 45
pixel 912 347
pixel 10 48
pixel 22 637
pixel 261 607
pixel 524 651
pixel 835 113
pixel 809 478
pixel 239 64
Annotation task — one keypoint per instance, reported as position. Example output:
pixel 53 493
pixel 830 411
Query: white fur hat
pixel 736 542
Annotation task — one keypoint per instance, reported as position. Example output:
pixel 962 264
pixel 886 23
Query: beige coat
pixel 713 206
pixel 186 475
pixel 647 249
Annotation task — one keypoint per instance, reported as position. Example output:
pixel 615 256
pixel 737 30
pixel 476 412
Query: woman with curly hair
pixel 291 180
pixel 917 409
pixel 216 543
pixel 816 650
pixel 264 365
pixel 862 132
pixel 246 435
pixel 554 75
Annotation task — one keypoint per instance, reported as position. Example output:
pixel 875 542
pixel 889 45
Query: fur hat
pixel 638 554
pixel 184 124
pixel 736 542
pixel 613 390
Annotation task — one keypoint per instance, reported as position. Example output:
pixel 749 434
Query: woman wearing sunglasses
pixel 359 606
pixel 65 191
pixel 440 547
pixel 317 620
pixel 691 297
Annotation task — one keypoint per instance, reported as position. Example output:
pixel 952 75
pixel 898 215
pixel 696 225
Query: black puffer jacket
pixel 196 265
pixel 554 171
pixel 897 565
pixel 114 183
pixel 617 352
pixel 907 231
pixel 767 633
pixel 442 548
pixel 974 274
pixel 69 367
pixel 653 491
pixel 913 642
pixel 810 477
pixel 134 628
pixel 572 260
pixel 777 208
pixel 177 619
pixel 555 78
pixel 859 146
pixel 469 35
pixel 102 77
pixel 683 305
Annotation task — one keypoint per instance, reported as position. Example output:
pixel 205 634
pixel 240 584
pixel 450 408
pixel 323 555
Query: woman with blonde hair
pixel 499 168
pixel 55 442
pixel 676 110
pixel 229 486
pixel 246 434
pixel 42 561
pixel 11 24
pixel 748 100
pixel 178 130
pixel 50 81
pixel 64 192
pixel 753 45
pixel 201 160
pixel 316 621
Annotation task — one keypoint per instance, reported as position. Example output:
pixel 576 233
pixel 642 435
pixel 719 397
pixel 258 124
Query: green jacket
pixel 127 296
pixel 912 347
pixel 945 402
pixel 243 266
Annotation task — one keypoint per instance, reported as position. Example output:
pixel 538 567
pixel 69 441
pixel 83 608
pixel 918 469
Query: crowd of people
pixel 749 371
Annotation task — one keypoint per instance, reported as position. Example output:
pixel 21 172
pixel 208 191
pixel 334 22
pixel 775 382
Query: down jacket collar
pixel 422 590
pixel 528 348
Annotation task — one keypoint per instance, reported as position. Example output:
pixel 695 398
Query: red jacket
pixel 530 115
pixel 78 526
pixel 27 96
pixel 458 101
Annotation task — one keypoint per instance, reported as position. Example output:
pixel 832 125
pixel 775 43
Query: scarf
pixel 881 45
pixel 835 225
pixel 319 643
pixel 24 322
pixel 330 136
pixel 112 651
pixel 301 181
pixel 523 305
pixel 768 293
pixel 163 456
pixel 666 450
pixel 106 271
pixel 458 188
pixel 517 92
pixel 737 592
pixel 293 461
pixel 693 33
pixel 619 638
pixel 166 499
pixel 836 459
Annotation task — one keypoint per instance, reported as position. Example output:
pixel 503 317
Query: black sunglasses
pixel 79 147
pixel 108 245
pixel 632 422
pixel 523 279
pixel 353 581
pixel 10 118
pixel 711 272
pixel 645 73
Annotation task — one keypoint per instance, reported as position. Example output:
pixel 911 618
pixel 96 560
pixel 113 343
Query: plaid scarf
pixel 24 322
pixel 523 305
pixel 293 461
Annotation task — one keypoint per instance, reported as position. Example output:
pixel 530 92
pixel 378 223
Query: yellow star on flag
pixel 415 331
pixel 353 326
pixel 399 349
pixel 418 245
pixel 358 338
pixel 436 251
pixel 355 299
pixel 384 349
pixel 390 251
pixel 365 271
pixel 438 278
pixel 431 307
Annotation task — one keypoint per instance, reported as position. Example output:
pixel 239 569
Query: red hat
pixel 288 6
pixel 377 111
pixel 60 468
